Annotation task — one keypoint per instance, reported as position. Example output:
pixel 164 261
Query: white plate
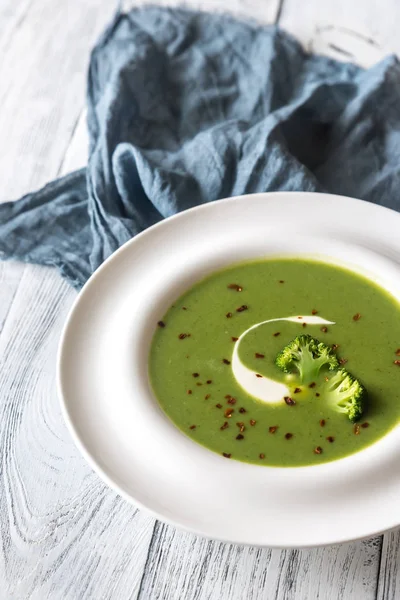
pixel 119 427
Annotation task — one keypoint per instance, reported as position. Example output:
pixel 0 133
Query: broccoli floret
pixel 307 355
pixel 345 394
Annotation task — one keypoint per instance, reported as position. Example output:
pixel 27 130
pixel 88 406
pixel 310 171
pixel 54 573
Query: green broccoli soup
pixel 282 362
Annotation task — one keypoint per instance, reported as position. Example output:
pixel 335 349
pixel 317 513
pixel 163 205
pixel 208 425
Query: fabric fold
pixel 186 108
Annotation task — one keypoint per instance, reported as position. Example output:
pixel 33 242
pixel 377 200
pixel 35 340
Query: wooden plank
pixel 265 11
pixel 389 572
pixel 64 534
pixel 181 565
pixel 11 16
pixel 10 277
pixel 71 543
pixel 77 151
pixel 359 31
pixel 42 90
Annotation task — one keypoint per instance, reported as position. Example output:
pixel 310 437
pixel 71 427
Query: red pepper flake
pixel 322 422
pixel 192 427
pixel 231 400
pixel 335 346
pixel 209 381
pixel 189 391
pixel 318 450
pixel 258 355
pixel 277 333
pixel 343 361
pixel 161 324
pixel 258 375
pixel 239 436
pixel 228 413
pixel 184 308
pixel 195 374
pixel 224 426
pixel 312 384
pixel 396 362
pixel 228 315
pixel 330 439
pixel 199 384
pixel 288 436
pixel 281 281
pixel 273 428
pixel 356 429
pixel 289 401
pixel 314 312
pixel 235 286
pixel 357 317
pixel 226 455
pixel 241 427
pixel 207 396
pixel 252 422
pixel 304 324
pixel 242 410
pixel 234 339
pixel 365 425
pixel 297 390
pixel 398 352
pixel 218 405
pixel 242 308
pixel 226 361
pixel 299 317
pixel 326 378
pixel 324 329
pixel 262 455
pixel 182 336
pixel 317 394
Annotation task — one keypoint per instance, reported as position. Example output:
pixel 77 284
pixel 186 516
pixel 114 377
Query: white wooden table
pixel 64 535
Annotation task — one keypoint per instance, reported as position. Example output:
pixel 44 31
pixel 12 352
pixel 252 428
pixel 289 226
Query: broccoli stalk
pixel 307 355
pixel 346 394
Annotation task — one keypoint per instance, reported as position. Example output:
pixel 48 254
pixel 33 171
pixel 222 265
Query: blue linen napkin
pixel 185 108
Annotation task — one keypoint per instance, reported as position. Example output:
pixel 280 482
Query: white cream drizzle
pixel 263 388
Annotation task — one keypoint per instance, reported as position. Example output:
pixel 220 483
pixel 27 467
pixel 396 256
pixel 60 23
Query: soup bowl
pixel 119 427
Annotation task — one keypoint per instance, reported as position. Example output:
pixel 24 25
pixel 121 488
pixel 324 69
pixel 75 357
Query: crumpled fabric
pixel 187 107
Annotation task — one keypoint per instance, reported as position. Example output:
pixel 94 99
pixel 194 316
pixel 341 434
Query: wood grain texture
pixel 181 565
pixel 360 31
pixel 11 17
pixel 389 572
pixel 42 91
pixel 10 277
pixel 64 535
pixel 265 11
